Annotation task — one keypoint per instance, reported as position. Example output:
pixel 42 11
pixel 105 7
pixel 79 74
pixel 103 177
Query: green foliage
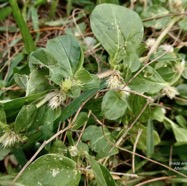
pixel 102 175
pixel 120 39
pixel 183 24
pixel 146 140
pixel 25 117
pixel 113 106
pixel 5 12
pixel 91 107
pixel 51 169
pixel 99 141
pixel 156 11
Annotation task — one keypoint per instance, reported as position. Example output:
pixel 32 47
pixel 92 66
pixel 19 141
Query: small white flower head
pixel 10 138
pixel 163 110
pixel 150 42
pixel 56 101
pixel 126 90
pixel 177 4
pixel 167 47
pixel 170 91
pixel 179 68
pixel 114 81
pixel 73 150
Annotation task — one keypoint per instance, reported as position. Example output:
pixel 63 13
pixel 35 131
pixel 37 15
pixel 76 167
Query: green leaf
pixel 107 1
pixel 37 82
pixel 2 115
pixel 47 120
pixel 25 117
pixel 184 74
pixel 181 120
pixel 81 119
pixel 15 61
pixel 108 178
pixel 156 11
pixel 113 106
pixel 14 105
pixel 58 147
pixel 5 12
pixel 7 180
pixel 21 80
pixel 136 104
pixel 183 24
pixel 97 171
pixel 67 52
pixel 150 82
pixel 142 142
pixel 132 61
pixel 51 169
pixel 75 91
pixel 158 114
pixel 44 58
pixel 86 80
pixel 4 153
pixel 179 132
pixel 182 89
pixel 75 104
pixel 118 29
pixel 99 141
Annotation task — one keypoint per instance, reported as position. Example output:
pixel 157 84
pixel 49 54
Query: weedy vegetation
pixel 93 93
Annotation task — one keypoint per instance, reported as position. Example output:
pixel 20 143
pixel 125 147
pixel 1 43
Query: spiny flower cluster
pixel 115 81
pixel 170 91
pixel 10 138
pixel 56 101
pixel 180 67
pixel 73 150
pixel 66 85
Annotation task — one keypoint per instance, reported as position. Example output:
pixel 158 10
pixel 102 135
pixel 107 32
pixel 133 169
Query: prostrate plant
pixel 58 86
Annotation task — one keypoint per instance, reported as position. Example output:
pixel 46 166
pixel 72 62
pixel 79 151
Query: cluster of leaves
pixel 99 112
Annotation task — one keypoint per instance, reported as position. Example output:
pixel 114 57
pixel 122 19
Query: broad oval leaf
pixel 44 58
pixel 51 169
pixel 21 80
pixel 113 106
pixel 25 117
pixel 99 142
pixel 67 52
pixel 149 81
pixel 37 82
pixel 118 29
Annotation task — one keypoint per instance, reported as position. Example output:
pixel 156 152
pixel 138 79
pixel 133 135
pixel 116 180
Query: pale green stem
pixel 46 99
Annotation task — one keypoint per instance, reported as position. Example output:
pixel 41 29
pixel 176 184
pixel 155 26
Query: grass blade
pixel 150 138
pixel 27 38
